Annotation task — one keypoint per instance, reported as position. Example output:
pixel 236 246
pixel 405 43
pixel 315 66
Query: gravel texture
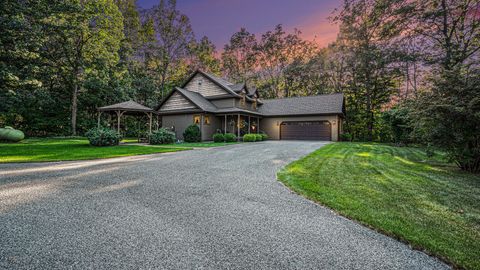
pixel 215 208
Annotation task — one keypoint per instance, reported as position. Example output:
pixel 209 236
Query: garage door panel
pixel 305 130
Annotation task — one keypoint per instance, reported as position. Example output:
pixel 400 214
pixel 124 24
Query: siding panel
pixel 177 102
pixel 204 86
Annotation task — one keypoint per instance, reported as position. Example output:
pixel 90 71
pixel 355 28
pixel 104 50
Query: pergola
pixel 128 107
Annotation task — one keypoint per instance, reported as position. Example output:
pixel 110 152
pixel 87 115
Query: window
pixel 196 119
pixel 206 120
pixel 255 104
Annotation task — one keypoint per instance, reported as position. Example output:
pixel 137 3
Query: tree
pixel 448 115
pixel 203 56
pixel 84 39
pixel 239 57
pixel 367 30
pixel 168 43
pixel 275 52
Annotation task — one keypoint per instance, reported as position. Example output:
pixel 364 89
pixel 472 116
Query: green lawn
pixel 399 191
pixel 54 149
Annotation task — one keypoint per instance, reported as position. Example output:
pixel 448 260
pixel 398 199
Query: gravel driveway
pixel 213 208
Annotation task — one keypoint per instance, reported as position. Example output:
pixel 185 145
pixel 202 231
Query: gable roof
pixel 224 84
pixel 321 104
pixel 197 99
pixel 237 87
pixel 126 106
pixel 194 97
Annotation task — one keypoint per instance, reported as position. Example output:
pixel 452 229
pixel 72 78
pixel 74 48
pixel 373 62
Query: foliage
pixel 264 136
pixel 380 185
pixel 249 137
pixel 346 137
pixel 366 34
pixel 230 137
pixel 103 137
pixel 162 136
pixel 168 36
pixel 10 134
pixel 192 134
pixel 258 137
pixel 218 137
pixel 449 118
pixel 56 149
pixel 399 123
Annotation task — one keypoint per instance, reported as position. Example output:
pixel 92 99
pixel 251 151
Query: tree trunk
pixel 74 109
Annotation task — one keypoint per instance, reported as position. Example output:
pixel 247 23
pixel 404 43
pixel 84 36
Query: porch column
pixel 201 126
pixel 225 131
pixel 150 123
pixel 258 124
pixel 118 121
pixel 238 128
pixel 249 127
pixel 98 124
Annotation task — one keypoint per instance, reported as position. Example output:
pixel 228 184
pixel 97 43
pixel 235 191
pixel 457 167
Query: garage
pixel 306 130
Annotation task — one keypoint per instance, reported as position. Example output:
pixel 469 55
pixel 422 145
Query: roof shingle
pixel 198 100
pixel 126 106
pixel 321 104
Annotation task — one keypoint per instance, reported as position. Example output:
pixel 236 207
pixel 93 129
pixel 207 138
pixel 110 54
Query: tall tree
pixel 275 52
pixel 448 115
pixel 84 38
pixel 367 29
pixel 239 57
pixel 203 56
pixel 169 41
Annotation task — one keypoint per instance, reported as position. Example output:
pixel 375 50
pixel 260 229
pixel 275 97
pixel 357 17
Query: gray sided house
pixel 217 105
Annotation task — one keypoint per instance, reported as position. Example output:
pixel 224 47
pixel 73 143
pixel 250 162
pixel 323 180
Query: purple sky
pixel 219 19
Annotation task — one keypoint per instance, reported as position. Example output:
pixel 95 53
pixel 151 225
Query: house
pixel 217 105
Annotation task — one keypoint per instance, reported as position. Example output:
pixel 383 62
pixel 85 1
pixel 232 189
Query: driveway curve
pixel 216 208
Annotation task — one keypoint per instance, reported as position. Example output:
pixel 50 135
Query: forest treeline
pixel 408 69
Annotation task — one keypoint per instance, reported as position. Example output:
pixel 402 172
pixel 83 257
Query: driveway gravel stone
pixel 215 208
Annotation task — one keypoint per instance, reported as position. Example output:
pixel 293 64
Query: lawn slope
pixel 399 191
pixel 34 150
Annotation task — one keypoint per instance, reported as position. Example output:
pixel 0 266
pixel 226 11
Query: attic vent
pixel 200 83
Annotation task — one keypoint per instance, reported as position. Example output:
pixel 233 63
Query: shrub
pixel 258 137
pixel 192 134
pixel 264 136
pixel 103 137
pixel 249 137
pixel 218 137
pixel 346 137
pixel 10 134
pixel 229 137
pixel 162 136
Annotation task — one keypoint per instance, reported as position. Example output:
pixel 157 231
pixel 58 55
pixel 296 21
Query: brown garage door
pixel 306 130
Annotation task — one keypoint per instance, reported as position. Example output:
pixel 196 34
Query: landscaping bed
pixel 399 191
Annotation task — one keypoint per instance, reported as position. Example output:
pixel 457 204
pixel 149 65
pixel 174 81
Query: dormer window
pixel 255 104
pixel 242 102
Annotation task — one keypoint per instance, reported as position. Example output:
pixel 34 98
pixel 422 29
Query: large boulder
pixel 10 134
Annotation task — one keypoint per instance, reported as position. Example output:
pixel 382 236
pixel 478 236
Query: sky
pixel 220 19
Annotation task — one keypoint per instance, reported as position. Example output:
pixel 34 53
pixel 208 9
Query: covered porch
pixel 239 123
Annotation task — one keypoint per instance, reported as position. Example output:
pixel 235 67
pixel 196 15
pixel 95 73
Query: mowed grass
pixel 426 202
pixel 50 149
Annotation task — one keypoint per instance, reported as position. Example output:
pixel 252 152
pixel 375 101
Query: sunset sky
pixel 219 19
